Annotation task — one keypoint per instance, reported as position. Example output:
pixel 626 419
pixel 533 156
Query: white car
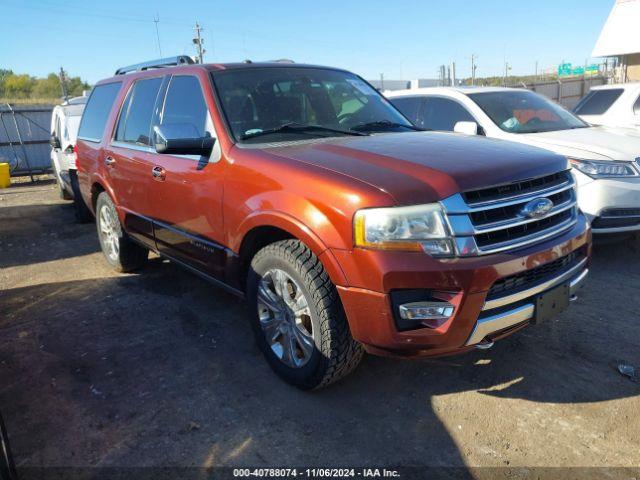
pixel 611 105
pixel 65 120
pixel 606 161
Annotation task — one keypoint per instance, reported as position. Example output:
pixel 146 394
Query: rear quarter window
pixel 597 102
pixel 97 111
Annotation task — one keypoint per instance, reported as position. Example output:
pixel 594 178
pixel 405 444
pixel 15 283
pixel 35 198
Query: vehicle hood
pixel 425 166
pixel 595 143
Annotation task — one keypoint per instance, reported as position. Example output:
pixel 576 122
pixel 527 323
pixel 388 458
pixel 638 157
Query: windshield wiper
pixel 385 124
pixel 299 128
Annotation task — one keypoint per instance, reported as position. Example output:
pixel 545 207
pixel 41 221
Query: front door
pixel 185 198
pixel 128 159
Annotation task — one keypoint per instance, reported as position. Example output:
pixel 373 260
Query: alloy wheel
pixel 108 223
pixel 285 318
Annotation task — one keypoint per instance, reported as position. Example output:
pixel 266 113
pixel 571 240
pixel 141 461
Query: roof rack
pixel 159 63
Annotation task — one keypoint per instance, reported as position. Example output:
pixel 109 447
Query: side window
pixel 185 105
pixel 597 102
pixel 443 114
pixel 409 106
pixel 134 125
pixel 97 111
pixel 636 106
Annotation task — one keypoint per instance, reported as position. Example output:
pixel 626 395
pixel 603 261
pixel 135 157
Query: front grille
pixel 485 217
pixel 518 231
pixel 491 220
pixel 515 189
pixel 530 278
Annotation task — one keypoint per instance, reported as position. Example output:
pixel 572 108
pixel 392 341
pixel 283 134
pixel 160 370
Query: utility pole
pixel 156 20
pixel 473 69
pixel 198 41
pixel 63 83
pixel 506 73
pixel 381 81
pixel 453 74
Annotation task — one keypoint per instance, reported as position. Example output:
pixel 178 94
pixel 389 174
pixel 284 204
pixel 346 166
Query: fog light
pixel 426 311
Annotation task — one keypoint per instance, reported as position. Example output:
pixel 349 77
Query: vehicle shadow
pixel 160 370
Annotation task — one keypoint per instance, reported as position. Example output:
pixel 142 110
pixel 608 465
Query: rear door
pixel 129 157
pixel 185 199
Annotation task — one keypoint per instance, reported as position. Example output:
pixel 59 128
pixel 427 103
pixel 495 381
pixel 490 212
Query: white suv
pixel 611 105
pixel 605 160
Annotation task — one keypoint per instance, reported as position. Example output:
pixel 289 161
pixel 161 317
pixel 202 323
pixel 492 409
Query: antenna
pixel 156 20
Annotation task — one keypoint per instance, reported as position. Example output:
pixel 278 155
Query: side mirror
pixel 181 139
pixel 54 142
pixel 468 128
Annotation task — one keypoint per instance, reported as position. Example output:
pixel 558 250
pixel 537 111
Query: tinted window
pixel 636 107
pixel 597 101
pixel 442 114
pixel 257 100
pixel 97 111
pixel 409 106
pixel 522 111
pixel 139 112
pixel 185 104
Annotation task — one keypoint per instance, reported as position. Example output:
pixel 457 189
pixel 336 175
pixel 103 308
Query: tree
pixel 18 86
pixel 47 87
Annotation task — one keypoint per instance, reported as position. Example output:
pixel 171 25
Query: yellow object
pixel 5 178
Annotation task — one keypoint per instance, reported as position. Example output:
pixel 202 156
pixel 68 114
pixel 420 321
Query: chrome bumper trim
pixel 491 324
pixel 516 297
pixel 500 321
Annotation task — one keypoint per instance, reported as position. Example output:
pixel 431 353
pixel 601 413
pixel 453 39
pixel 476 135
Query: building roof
pixel 619 36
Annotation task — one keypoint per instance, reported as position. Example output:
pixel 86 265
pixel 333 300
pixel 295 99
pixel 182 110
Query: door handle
pixel 109 161
pixel 158 173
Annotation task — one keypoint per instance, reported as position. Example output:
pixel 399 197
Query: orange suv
pixel 304 190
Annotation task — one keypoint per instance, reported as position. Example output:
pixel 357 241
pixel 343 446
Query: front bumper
pixel 612 205
pixel 374 275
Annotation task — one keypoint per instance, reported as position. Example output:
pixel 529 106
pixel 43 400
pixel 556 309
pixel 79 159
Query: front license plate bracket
pixel 551 303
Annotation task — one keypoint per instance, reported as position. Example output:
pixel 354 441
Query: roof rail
pixel 159 63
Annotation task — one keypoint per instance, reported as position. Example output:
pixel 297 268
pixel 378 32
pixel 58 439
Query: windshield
pixel 309 102
pixel 525 112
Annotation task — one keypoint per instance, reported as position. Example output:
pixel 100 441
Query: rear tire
pixel 120 251
pixel 295 303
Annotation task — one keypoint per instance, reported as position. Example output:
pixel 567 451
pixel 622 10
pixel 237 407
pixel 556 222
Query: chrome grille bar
pixel 515 230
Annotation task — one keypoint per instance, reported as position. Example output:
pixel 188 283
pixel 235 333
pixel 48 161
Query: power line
pixel 156 20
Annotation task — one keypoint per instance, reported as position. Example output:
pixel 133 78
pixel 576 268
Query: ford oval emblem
pixel 537 208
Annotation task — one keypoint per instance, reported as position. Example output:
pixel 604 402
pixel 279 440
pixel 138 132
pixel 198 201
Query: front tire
pixel 298 320
pixel 120 251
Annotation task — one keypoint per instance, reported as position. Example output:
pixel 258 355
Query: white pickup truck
pixel 605 161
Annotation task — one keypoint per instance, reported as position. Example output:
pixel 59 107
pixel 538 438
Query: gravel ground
pixel 159 369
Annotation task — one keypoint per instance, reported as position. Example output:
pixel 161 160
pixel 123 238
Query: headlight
pixel 596 169
pixel 415 228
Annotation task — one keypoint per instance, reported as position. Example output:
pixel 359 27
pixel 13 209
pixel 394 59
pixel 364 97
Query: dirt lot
pixel 160 369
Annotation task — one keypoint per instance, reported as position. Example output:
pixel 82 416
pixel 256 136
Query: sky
pixel 402 39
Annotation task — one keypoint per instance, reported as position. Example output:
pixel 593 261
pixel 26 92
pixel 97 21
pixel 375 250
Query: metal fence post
pixel 24 150
pixel 559 91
